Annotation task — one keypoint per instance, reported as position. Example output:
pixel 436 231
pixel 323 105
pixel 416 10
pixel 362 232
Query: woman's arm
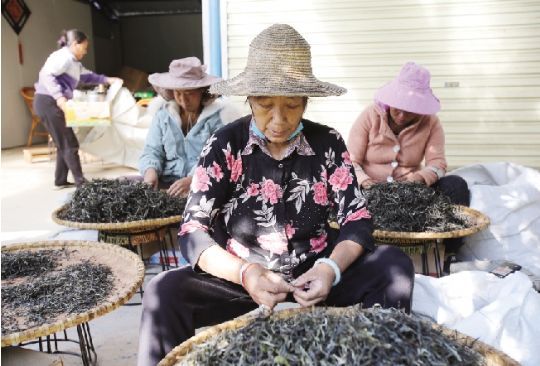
pixel 153 155
pixel 357 144
pixel 435 160
pixel 210 192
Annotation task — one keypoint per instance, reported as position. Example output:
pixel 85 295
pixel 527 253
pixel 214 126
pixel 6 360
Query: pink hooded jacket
pixel 384 157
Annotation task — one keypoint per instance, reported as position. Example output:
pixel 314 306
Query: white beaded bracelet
pixel 334 266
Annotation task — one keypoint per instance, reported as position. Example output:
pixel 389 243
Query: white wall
pixel 38 38
pixel 490 47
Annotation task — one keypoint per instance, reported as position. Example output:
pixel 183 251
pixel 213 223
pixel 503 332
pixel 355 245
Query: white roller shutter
pixel 484 57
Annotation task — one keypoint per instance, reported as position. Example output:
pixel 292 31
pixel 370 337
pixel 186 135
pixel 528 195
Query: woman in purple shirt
pixel 58 78
pixel 256 227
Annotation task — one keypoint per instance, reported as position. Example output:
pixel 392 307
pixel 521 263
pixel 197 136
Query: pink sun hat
pixel 184 73
pixel 410 91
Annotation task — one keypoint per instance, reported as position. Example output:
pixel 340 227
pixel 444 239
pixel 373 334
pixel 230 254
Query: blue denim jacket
pixel 172 154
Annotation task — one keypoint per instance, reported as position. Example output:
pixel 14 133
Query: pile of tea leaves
pixel 110 201
pixel 28 263
pixel 33 301
pixel 412 207
pixel 321 337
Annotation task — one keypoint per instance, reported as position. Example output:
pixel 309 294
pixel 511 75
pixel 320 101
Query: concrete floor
pixel 28 198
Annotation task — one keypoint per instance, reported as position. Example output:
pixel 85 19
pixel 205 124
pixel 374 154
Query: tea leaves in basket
pixel 35 301
pixel 321 337
pixel 412 207
pixel 114 201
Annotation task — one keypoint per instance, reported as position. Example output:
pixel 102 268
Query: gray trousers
pixel 179 301
pixel 67 145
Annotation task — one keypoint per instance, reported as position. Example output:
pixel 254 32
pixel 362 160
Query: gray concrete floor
pixel 28 198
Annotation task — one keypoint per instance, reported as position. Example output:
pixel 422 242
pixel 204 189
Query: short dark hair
pixel 70 36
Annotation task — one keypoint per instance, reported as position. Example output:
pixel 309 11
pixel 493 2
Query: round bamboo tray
pixel 478 221
pixel 116 227
pixel 127 269
pixel 492 356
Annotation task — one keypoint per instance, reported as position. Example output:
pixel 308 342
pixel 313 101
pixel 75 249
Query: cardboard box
pixel 90 113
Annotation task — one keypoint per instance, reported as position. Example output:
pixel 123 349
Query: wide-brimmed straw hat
pixel 278 64
pixel 185 73
pixel 410 91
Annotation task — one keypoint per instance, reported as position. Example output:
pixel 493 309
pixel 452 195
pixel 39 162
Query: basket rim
pixel 118 299
pixel 177 353
pixel 115 226
pixel 481 222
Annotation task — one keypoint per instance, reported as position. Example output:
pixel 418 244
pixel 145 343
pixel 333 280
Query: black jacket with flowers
pixel 275 212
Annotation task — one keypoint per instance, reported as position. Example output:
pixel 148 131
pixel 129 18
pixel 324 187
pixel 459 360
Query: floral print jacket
pixel 274 212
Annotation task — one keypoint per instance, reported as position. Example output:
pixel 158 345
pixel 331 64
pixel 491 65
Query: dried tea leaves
pixel 114 201
pixel 412 207
pixel 28 263
pixel 36 300
pixel 322 337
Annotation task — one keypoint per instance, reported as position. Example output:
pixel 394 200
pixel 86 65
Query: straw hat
pixel 278 64
pixel 184 73
pixel 410 91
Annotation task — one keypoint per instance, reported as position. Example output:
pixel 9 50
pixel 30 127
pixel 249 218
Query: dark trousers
pixel 179 301
pixel 67 145
pixel 457 190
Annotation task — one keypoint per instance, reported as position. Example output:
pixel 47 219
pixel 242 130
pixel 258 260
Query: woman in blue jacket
pixel 181 127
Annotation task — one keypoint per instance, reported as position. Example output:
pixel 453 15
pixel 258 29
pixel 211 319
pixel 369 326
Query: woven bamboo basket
pixel 478 221
pixel 127 269
pixel 492 356
pixel 116 227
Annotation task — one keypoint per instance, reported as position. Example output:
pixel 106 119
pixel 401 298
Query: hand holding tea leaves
pixel 313 286
pixel 151 177
pixel 265 286
pixel 368 183
pixel 180 188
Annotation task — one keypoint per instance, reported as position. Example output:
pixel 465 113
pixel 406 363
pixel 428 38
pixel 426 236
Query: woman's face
pixel 189 99
pixel 277 117
pixel 403 118
pixel 79 50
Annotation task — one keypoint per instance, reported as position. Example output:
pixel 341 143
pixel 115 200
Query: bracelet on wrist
pixel 334 266
pixel 242 272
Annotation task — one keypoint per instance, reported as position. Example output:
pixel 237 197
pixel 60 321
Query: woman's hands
pixel 314 286
pixel 61 102
pixel 265 287
pixel 151 177
pixel 368 183
pixel 180 188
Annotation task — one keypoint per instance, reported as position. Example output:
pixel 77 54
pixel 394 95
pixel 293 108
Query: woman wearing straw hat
pixel 182 126
pixel 393 136
pixel 255 228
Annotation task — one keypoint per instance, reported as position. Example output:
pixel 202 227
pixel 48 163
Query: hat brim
pixel 407 99
pixel 244 85
pixel 164 80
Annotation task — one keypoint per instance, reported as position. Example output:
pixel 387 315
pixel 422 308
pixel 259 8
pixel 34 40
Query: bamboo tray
pixel 119 227
pixel 127 269
pixel 493 357
pixel 478 219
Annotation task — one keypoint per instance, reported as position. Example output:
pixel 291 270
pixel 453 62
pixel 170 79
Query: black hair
pixel 70 36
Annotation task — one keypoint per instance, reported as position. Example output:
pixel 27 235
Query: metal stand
pixel 133 240
pixel 437 258
pixel 86 345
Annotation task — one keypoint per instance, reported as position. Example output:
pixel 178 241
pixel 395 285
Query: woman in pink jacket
pixel 400 138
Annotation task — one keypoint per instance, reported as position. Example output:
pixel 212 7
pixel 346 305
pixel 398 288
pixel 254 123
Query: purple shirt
pixel 274 212
pixel 61 74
